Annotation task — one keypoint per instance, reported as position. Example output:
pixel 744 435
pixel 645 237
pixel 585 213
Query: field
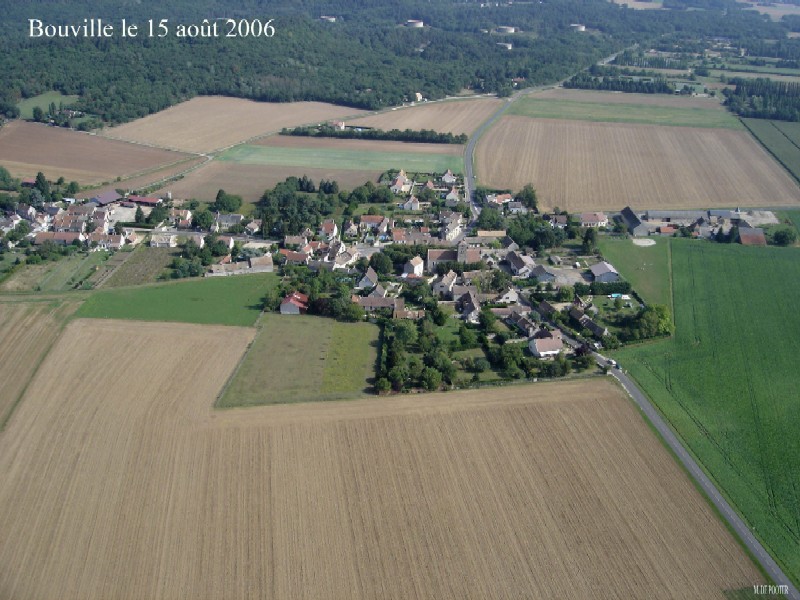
pixel 551 490
pixel 662 113
pixel 345 155
pixel 26 148
pixel 453 116
pixel 144 265
pixel 213 122
pixel 144 181
pixel 61 275
pixel 302 359
pixel 27 330
pixel 43 101
pixel 577 165
pixel 776 11
pixel 216 300
pixel 647 268
pixel 645 100
pixel 250 181
pixel 637 5
pixel 727 381
pixel 780 139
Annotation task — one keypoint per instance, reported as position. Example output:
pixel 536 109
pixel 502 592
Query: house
pixel 350 229
pixel 604 272
pixel 295 240
pixel 750 236
pixel 295 258
pixel 594 219
pixel 546 309
pixel 453 195
pixel 667 230
pixel 401 312
pixel 411 204
pixel 371 304
pixel 499 199
pixel 368 281
pixel 523 323
pixel 450 231
pixel 440 256
pixel 516 208
pixel 586 322
pixel 559 221
pixel 401 184
pixel 294 303
pixel 197 238
pixel 26 211
pixel 545 347
pixel 377 223
pixel 161 240
pixel 511 296
pixel 345 259
pixel 229 268
pixel 448 178
pixel 633 223
pixel 470 307
pixel 543 274
pixel 105 242
pixel 176 215
pixel 521 264
pixel 415 266
pixel 60 238
pixel 261 264
pixel 444 286
pixel 328 230
pixel 226 222
pixel 378 292
pixel 253 227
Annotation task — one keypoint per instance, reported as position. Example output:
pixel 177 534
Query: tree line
pixel 427 136
pixel 764 99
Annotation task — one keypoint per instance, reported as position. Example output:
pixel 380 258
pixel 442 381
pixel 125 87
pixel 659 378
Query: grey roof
pixel 107 198
pixel 689 215
pixel 602 268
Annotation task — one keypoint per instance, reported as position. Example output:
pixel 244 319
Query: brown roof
pixel 750 236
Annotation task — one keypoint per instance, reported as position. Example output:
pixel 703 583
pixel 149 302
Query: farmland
pixel 43 101
pixel 559 95
pixel 647 268
pixel 317 359
pixel 26 148
pixel 27 330
pixel 641 165
pixel 453 116
pixel 345 155
pixel 145 265
pixel 780 139
pixel 54 276
pixel 727 380
pixel 661 113
pixel 250 181
pixel 225 122
pixel 536 491
pixel 144 181
pixel 216 300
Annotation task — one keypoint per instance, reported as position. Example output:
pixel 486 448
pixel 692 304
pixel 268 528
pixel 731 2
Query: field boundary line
pixel 771 153
pixel 258 327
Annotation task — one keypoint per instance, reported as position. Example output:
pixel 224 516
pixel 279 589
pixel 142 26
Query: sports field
pixel 580 166
pixel 453 116
pixel 619 112
pixel 318 359
pixel 27 148
pixel 551 490
pixel 43 101
pixel 341 158
pixel 215 300
pixel 727 381
pixel 210 123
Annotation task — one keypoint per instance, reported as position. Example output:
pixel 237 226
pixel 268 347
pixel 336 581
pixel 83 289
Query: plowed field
pixel 580 165
pixel 118 480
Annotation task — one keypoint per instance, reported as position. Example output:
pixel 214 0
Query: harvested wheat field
pixel 453 116
pixel 27 148
pixel 141 182
pixel 27 330
pixel 601 97
pixel 581 165
pixel 138 489
pixel 212 122
pixel 250 181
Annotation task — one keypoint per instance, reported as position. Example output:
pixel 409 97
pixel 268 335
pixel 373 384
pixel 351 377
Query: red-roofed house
pixel 294 304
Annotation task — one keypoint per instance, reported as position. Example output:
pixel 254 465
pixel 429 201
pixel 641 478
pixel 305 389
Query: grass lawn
pixel 303 359
pixel 43 101
pixel 144 265
pixel 728 380
pixel 326 158
pixel 624 113
pixel 645 267
pixel 215 300
pixel 779 140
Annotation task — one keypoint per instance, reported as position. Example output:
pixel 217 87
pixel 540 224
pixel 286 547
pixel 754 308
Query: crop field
pixel 250 181
pixel 43 101
pixel 345 156
pixel 641 5
pixel 27 330
pixel 782 140
pixel 639 165
pixel 452 116
pixel 215 300
pixel 212 122
pixel 145 265
pixel 619 111
pixel 61 275
pixel 728 384
pixel 646 100
pixel 551 490
pixel 647 268
pixel 302 359
pixel 776 11
pixel 154 177
pixel 27 148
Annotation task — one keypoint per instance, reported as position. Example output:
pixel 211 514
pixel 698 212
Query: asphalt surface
pixel 733 519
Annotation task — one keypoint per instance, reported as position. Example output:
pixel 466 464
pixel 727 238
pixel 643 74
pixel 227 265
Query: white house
pixel 415 266
pixel 545 347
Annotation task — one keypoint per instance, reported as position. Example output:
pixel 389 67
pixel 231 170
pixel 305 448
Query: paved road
pixel 733 519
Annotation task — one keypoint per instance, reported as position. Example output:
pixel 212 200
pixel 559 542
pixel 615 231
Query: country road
pixel 731 516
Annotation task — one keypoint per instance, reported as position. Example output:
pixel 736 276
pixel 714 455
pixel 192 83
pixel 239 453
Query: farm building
pixel 543 274
pixel 106 198
pixel 752 236
pixel 64 238
pixel 633 223
pixel 294 304
pixel 677 217
pixel 521 264
pixel 261 264
pixel 604 272
pixel 163 241
pixel 594 219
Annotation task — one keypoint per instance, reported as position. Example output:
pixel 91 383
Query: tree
pixel 490 218
pixel 381 263
pixel 589 240
pixel 73 188
pixel 784 237
pixel 38 114
pixel 203 219
pixel 431 378
pixel 528 197
pixel 139 215
pixel 42 185
pixel 226 203
pixel 382 385
pixel 405 332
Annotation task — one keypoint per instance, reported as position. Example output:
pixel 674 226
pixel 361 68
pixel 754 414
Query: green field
pixel 145 265
pixel 728 380
pixel 777 139
pixel 304 359
pixel 54 276
pixel 624 113
pixel 215 300
pixel 326 158
pixel 645 267
pixel 42 101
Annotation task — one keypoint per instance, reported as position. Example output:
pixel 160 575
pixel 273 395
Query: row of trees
pixel 585 81
pixel 764 99
pixel 427 136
